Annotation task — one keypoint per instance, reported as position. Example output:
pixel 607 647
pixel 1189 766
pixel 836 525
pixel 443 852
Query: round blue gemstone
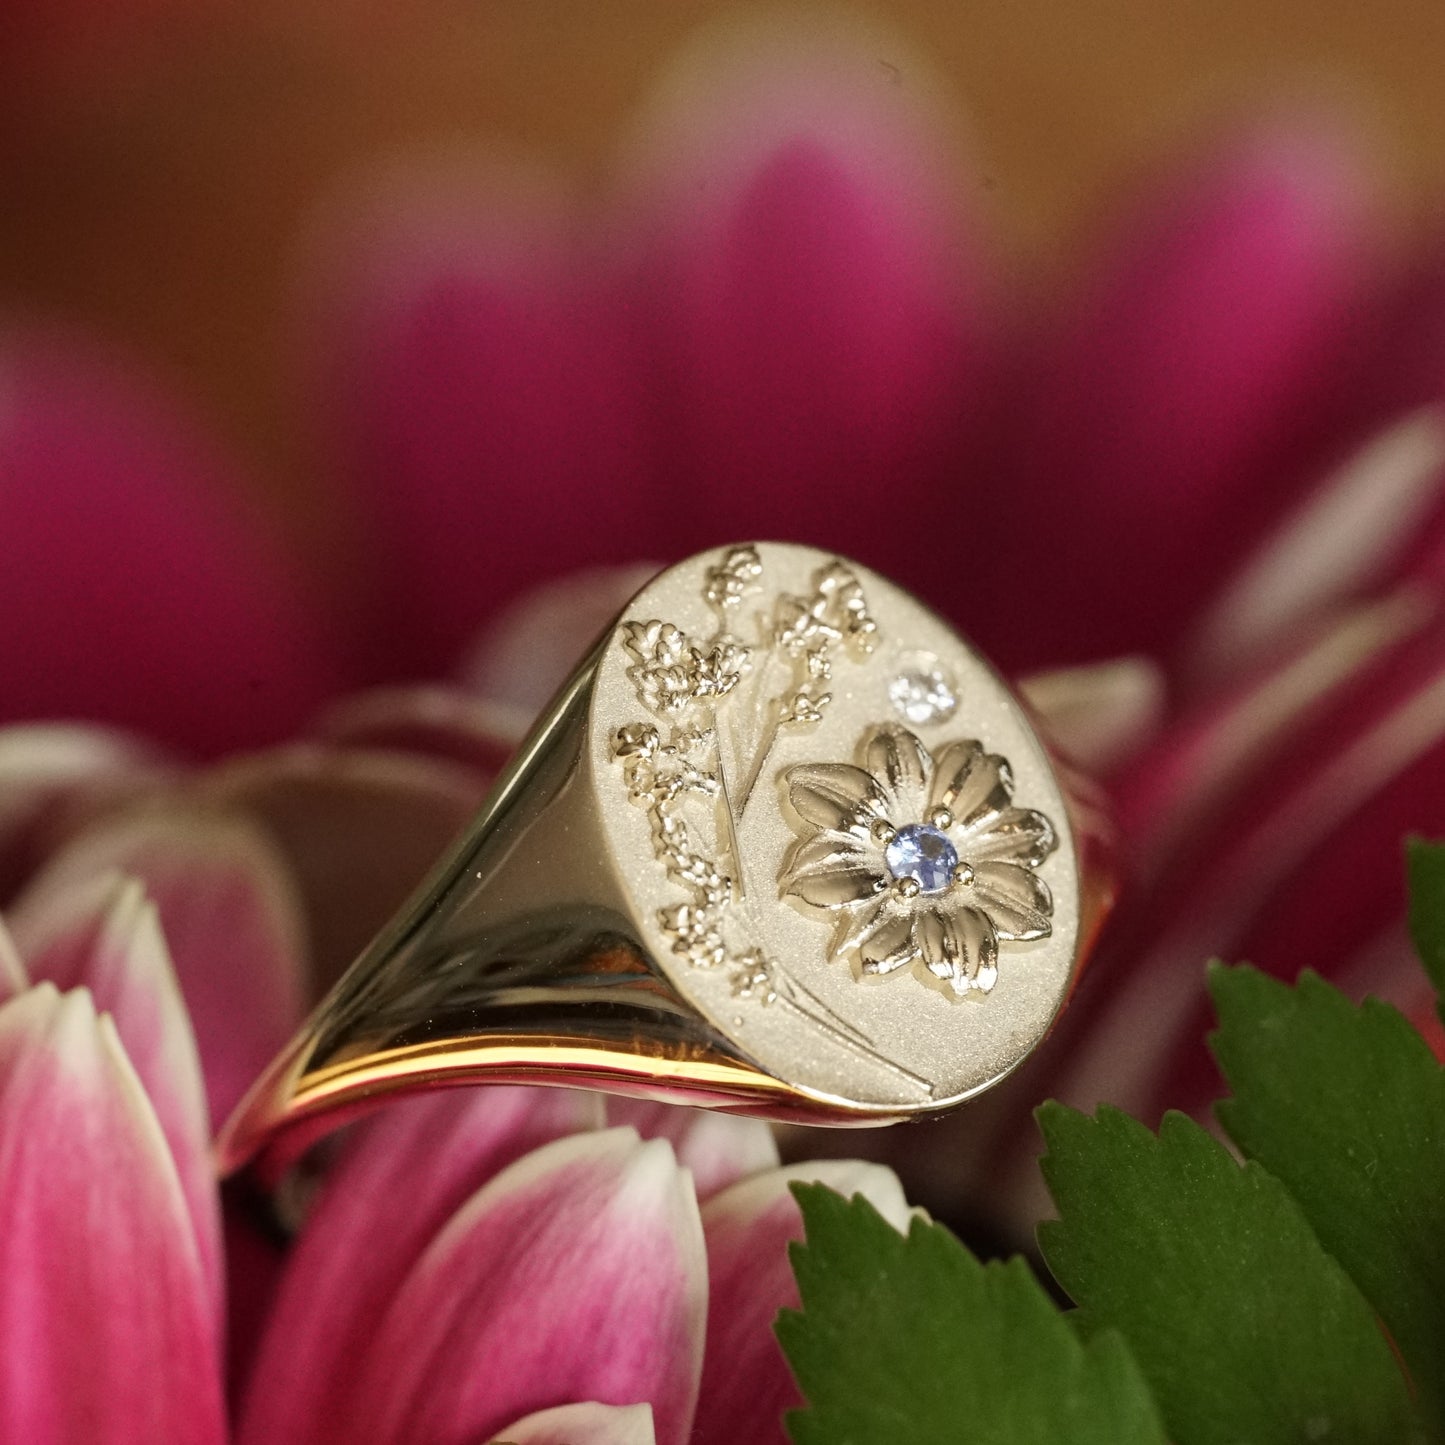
pixel 923 853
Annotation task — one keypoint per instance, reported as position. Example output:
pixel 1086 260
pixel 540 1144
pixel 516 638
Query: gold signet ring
pixel 783 845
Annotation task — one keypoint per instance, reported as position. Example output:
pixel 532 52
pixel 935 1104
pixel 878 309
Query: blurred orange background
pixel 157 177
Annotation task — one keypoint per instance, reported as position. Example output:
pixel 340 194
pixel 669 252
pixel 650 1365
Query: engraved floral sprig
pixel 797 647
pixel 717 706
pixel 673 675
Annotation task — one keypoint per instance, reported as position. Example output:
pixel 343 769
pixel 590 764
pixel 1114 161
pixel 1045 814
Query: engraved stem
pixel 847 1039
pixel 758 692
pixel 764 739
pixel 734 847
pixel 765 747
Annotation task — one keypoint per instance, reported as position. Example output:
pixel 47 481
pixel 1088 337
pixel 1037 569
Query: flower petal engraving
pixel 901 765
pixel 835 795
pixel 960 950
pixel 889 945
pixel 830 848
pixel 836 888
pixel 945 923
pixel 1017 899
pixel 971 783
pixel 1017 835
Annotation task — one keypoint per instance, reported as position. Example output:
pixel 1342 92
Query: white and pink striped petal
pixel 585 1424
pixel 104 935
pixel 232 925
pixel 402 1176
pixel 746 1383
pixel 105 1311
pixel 577 1274
pixel 716 1149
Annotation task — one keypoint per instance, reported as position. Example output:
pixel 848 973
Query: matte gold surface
pixel 624 913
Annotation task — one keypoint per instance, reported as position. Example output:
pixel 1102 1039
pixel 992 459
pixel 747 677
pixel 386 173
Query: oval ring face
pixel 842 840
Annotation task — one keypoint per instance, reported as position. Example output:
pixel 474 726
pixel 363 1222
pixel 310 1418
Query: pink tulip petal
pixel 53 778
pixel 523 657
pixel 404 1174
pixel 358 830
pixel 1158 443
pixel 577 1274
pixel 103 934
pixel 810 285
pixel 746 1383
pixel 232 925
pixel 584 1425
pixel 491 382
pixel 716 1149
pixel 108 1324
pixel 478 734
pixel 132 590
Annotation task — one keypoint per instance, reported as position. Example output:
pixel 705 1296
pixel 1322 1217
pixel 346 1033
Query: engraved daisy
pixel 924 861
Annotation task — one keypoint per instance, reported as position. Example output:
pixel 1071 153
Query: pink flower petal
pixel 746 1383
pixel 132 589
pixel 1296 863
pixel 716 1149
pixel 404 1174
pixel 1340 545
pixel 232 925
pixel 478 734
pixel 577 1274
pixel 1335 884
pixel 103 934
pixel 358 829
pixel 492 380
pixel 810 285
pixel 1100 715
pixel 255 1261
pixel 528 652
pixel 1173 796
pixel 107 1321
pixel 53 778
pixel 584 1425
pixel 1266 829
pixel 1158 442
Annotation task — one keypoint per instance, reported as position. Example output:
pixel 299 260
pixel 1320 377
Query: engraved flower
pixel 696 933
pixel 672 674
pixel 835 611
pixel 925 861
pixel 732 579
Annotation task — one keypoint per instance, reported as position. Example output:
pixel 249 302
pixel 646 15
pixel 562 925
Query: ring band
pixel 784 844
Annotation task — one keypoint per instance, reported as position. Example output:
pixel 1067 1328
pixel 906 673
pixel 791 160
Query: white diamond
pixel 922 696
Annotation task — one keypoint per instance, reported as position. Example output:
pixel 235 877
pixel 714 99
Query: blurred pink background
pixel 159 161
pixel 330 332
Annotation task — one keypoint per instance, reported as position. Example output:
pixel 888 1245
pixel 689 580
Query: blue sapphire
pixel 923 853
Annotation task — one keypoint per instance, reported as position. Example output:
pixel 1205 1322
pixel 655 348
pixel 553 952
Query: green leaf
pixel 1346 1107
pixel 1245 1328
pixel 1426 865
pixel 909 1340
